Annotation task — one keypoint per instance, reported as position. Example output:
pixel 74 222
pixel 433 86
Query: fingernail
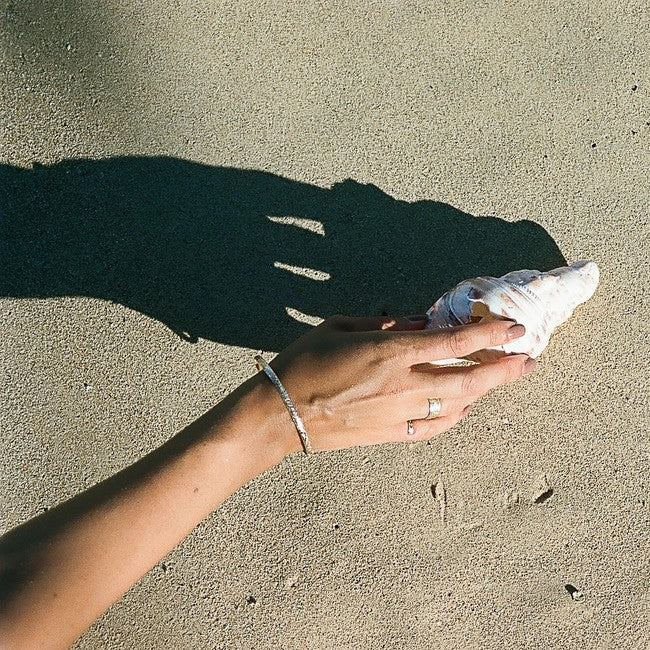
pixel 529 366
pixel 416 317
pixel 516 331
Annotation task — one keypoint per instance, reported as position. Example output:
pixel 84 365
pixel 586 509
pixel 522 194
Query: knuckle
pixel 470 383
pixel 495 334
pixel 509 369
pixel 458 341
pixel 514 369
pixel 507 374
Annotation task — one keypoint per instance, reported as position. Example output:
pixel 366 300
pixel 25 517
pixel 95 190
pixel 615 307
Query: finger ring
pixel 410 429
pixel 435 406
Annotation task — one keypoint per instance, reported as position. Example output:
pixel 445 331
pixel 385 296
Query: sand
pixel 144 148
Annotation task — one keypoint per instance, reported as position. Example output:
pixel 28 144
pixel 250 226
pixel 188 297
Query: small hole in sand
pixel 544 496
pixel 574 592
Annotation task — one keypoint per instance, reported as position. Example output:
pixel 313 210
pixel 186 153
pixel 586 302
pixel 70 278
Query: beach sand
pixel 145 267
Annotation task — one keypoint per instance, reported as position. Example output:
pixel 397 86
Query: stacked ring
pixel 435 406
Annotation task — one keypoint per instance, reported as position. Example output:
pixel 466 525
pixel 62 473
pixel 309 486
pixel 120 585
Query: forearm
pixel 60 571
pixel 354 381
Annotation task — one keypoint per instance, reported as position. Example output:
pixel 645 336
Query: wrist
pixel 255 420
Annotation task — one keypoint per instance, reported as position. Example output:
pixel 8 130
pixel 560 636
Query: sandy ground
pixel 139 281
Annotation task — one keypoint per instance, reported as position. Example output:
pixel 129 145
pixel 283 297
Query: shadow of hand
pixel 216 252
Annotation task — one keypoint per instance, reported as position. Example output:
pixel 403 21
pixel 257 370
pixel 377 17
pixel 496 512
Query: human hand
pixel 354 381
pixel 358 381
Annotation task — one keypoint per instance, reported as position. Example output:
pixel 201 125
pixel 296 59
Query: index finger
pixel 422 346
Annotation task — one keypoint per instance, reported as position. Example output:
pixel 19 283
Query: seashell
pixel 540 301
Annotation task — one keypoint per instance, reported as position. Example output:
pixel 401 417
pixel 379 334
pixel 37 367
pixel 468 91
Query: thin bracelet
pixel 261 364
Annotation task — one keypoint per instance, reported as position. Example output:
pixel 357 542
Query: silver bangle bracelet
pixel 261 364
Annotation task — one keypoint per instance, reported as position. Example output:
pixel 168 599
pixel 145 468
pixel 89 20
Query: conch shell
pixel 539 301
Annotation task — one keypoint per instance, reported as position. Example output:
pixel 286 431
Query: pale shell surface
pixel 539 300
